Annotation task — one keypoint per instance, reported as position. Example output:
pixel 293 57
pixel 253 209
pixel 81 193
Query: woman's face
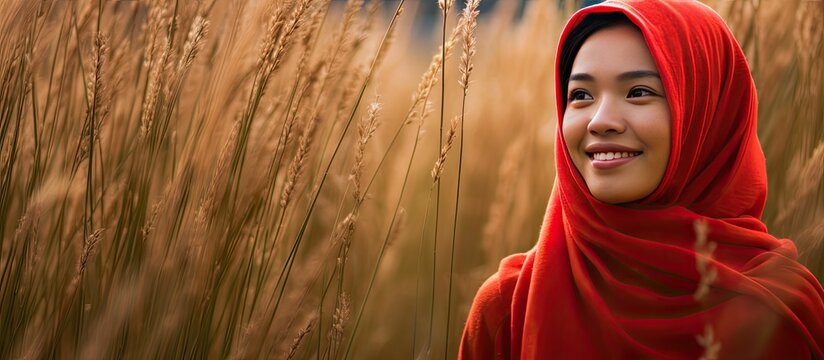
pixel 617 120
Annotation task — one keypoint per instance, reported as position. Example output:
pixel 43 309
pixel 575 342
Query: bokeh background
pixel 253 178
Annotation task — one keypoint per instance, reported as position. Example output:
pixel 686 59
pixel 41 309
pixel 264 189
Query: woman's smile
pixel 605 156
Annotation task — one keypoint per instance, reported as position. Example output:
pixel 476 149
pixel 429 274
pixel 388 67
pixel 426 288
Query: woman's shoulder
pixel 487 327
pixel 495 295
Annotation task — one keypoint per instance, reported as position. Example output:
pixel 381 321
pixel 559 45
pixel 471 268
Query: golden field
pixel 279 179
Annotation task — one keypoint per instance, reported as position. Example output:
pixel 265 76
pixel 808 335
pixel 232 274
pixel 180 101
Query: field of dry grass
pixel 251 179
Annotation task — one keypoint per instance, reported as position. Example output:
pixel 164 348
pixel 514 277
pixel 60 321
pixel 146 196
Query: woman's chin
pixel 616 195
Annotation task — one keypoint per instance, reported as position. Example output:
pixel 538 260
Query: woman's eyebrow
pixel 581 77
pixel 631 75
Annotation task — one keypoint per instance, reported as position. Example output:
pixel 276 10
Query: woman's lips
pixel 611 160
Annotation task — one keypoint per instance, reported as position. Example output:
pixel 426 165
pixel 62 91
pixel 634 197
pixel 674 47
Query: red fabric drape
pixel 607 281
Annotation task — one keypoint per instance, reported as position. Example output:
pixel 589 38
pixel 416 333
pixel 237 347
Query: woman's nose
pixel 607 119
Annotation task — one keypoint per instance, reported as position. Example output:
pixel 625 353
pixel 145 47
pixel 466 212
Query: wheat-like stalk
pixel 809 174
pixel 366 129
pixel 89 246
pixel 470 16
pixel 703 260
pixel 430 76
pixel 445 5
pixel 194 43
pixel 156 21
pixel 709 343
pixel 493 230
pixel 284 274
pixel 449 138
pixel 339 320
pixel 299 339
pixel 158 72
pixel 298 161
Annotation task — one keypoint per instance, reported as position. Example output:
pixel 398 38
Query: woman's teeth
pixel 613 155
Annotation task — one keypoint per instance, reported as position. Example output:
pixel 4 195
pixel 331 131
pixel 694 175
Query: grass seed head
pixel 449 138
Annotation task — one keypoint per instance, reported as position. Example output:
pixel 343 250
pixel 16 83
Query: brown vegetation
pixel 214 179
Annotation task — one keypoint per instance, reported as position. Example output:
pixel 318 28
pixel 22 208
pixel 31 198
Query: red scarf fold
pixel 608 281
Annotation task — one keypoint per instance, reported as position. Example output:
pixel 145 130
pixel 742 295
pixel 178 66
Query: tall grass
pixel 252 179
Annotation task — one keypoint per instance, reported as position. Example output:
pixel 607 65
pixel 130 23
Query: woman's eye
pixel 579 95
pixel 638 92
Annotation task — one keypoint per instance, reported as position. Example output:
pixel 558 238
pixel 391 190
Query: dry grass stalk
pixel 809 42
pixel 366 129
pixel 306 90
pixel 704 249
pixel 157 207
pixel 493 239
pixel 99 61
pixel 299 338
pixel 812 238
pixel 445 5
pixel 98 103
pixel 387 43
pixel 468 34
pixel 273 32
pixel 709 343
pixel 400 223
pixel 206 208
pixel 470 14
pixel 89 246
pixel 430 77
pixel 343 236
pixel 300 299
pixel 158 72
pixel 274 59
pixel 156 21
pixel 255 338
pixel 306 43
pixel 348 92
pixel 343 45
pixel 194 43
pixel 448 139
pixel 59 323
pixel 285 273
pixel 317 15
pixel 299 160
pixel 366 26
pixel 343 232
pixel 339 321
pixel 114 315
pixel 808 174
pixel 353 7
pixel 26 233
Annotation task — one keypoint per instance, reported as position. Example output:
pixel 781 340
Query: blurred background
pixel 249 178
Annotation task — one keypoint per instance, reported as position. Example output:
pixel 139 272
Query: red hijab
pixel 621 281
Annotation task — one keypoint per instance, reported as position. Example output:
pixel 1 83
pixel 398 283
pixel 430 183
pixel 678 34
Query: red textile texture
pixel 619 282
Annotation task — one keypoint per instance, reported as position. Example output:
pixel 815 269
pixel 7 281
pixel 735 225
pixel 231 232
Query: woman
pixel 652 244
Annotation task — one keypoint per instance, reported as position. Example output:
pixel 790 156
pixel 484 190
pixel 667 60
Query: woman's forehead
pixel 615 49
